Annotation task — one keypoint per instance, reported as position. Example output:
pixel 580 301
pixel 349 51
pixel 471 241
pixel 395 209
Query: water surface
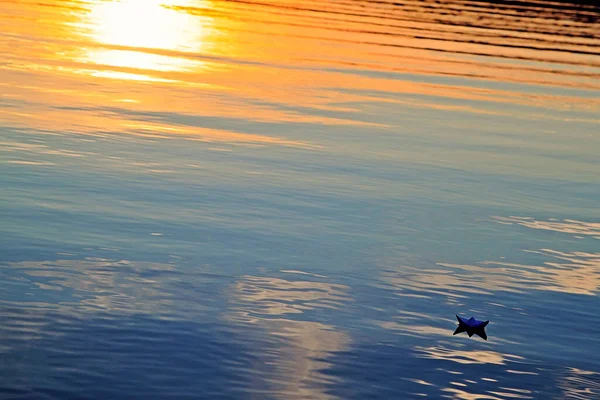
pixel 292 199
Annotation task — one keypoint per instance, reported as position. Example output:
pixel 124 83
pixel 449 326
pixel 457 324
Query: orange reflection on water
pixel 268 62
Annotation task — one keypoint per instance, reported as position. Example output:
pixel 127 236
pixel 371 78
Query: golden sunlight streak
pixel 144 28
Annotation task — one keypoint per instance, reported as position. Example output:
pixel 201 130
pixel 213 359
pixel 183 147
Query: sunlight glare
pixel 144 28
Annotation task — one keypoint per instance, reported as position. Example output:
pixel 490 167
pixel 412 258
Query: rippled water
pixel 292 199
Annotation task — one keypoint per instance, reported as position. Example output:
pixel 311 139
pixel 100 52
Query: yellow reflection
pixel 144 28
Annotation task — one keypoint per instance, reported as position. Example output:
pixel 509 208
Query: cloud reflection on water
pixel 565 226
pixel 580 384
pixel 574 272
pixel 463 356
pixel 101 285
pixel 460 394
pixel 276 306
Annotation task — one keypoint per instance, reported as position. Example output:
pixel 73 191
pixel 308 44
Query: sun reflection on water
pixel 139 34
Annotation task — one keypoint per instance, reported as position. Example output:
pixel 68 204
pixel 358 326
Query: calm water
pixel 280 199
